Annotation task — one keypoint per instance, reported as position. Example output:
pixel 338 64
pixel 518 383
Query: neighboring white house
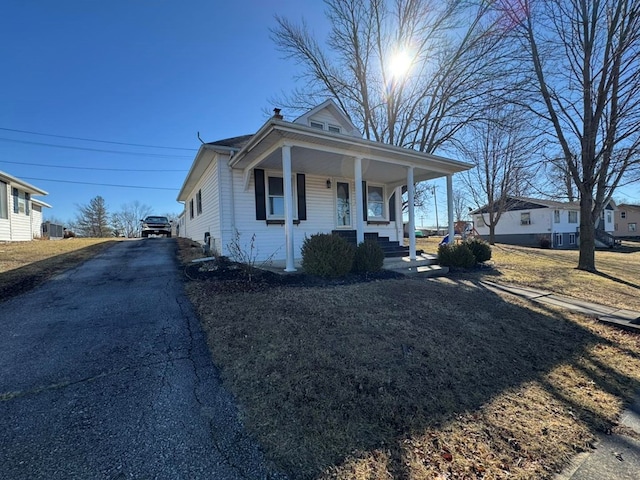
pixel 20 214
pixel 532 221
pixel 294 179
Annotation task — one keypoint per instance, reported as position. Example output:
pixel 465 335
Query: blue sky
pixel 152 72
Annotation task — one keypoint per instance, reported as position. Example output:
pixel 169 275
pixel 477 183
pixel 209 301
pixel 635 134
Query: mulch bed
pixel 229 276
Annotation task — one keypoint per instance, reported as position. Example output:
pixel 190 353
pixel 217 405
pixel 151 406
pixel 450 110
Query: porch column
pixel 288 207
pixel 412 215
pixel 359 204
pixel 450 207
pixel 399 219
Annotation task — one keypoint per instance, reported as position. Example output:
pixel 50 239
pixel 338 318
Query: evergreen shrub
pixel 327 255
pixel 369 257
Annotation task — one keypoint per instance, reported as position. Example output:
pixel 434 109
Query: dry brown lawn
pixel 426 379
pixel 617 284
pixel 23 265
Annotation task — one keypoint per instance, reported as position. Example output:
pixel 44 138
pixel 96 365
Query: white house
pixel 532 221
pixel 290 180
pixel 20 214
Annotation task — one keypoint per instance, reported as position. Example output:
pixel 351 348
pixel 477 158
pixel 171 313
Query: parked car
pixel 155 225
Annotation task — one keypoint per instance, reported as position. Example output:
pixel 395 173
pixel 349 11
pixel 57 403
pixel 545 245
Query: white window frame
pixel 267 194
pixel 382 202
pixel 633 227
pixel 574 213
pixel 572 239
pixel 199 202
pixel 480 221
pixel 525 218
pixel 191 210
pixel 334 128
pixel 558 239
pixel 316 124
pixel 327 127
pixel 4 200
pixel 556 216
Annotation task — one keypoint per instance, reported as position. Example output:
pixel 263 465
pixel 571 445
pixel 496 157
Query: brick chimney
pixel 276 114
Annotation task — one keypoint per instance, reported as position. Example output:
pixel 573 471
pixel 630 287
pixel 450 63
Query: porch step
pixel 390 248
pixel 425 265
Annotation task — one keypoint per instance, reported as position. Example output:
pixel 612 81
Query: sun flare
pixel 399 64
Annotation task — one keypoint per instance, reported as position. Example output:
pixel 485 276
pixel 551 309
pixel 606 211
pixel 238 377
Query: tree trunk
pixel 492 234
pixel 587 258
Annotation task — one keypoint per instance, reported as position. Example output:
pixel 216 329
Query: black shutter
pixel 261 203
pixel 364 200
pixel 302 196
pixel 392 208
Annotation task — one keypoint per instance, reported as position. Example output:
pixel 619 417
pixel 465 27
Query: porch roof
pixel 25 186
pixel 330 154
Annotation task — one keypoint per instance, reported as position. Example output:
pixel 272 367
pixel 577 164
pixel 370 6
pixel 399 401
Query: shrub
pixel 327 255
pixel 369 257
pixel 480 249
pixel 545 242
pixel 456 255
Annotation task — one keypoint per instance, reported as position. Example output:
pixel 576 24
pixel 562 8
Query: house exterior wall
pixel 229 208
pixel 629 226
pixel 208 220
pixel 509 230
pixel 36 221
pixel 20 223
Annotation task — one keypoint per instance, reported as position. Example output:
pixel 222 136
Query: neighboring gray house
pixel 20 213
pixel 530 221
pixel 294 179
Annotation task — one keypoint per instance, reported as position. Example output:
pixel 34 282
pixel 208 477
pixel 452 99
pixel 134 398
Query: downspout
pixel 233 202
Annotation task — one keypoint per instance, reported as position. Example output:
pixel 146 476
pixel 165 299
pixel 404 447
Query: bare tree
pixel 583 57
pixel 92 219
pixel 460 204
pixel 407 73
pixel 127 220
pixel 502 151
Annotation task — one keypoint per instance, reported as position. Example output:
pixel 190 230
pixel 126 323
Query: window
pixel 633 227
pixel 4 208
pixel 558 239
pixel 275 196
pixel 319 125
pixel 333 128
pixel 623 214
pixel 375 202
pixel 525 218
pixel 609 219
pixel 191 208
pixel 573 216
pixel 572 239
pixel 480 221
pixel 556 216
pixel 199 201
pixel 20 201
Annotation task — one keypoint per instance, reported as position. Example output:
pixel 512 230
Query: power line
pixel 94 140
pixel 99 184
pixel 90 168
pixel 92 149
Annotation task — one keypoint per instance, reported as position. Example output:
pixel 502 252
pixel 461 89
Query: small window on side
pixel 318 125
pixel 334 128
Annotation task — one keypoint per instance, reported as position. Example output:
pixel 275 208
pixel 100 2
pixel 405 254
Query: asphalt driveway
pixel 104 373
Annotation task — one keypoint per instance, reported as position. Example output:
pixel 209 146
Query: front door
pixel 343 205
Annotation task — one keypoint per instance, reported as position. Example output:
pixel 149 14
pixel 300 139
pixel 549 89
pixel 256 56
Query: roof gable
pixel 329 115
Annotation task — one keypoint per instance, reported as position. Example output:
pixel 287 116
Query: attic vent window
pixel 319 125
pixel 334 128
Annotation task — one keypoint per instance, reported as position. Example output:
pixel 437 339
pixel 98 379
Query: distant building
pixel 20 213
pixel 627 220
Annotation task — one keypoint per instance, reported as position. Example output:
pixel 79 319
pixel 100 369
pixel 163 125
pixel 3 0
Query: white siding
pixel 510 222
pixel 269 239
pixel 5 229
pixel 36 221
pixel 20 222
pixel 209 219
pixel 564 226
